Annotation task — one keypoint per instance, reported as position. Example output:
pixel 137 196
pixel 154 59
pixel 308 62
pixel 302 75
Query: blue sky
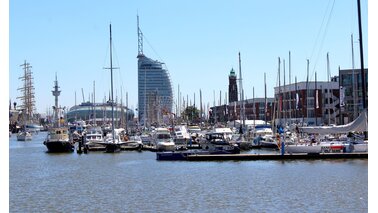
pixel 198 40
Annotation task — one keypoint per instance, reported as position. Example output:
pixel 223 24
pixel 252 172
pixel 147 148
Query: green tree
pixel 191 114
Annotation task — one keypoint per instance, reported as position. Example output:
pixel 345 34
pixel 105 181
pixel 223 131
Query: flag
pixel 342 96
pixel 297 101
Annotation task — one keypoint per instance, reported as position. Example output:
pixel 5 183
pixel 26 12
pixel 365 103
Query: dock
pixel 304 156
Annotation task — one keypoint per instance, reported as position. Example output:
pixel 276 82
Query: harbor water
pixel 132 181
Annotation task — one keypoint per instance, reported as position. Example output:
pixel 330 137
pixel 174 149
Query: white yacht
pixel 162 140
pixel 93 136
pixel 182 135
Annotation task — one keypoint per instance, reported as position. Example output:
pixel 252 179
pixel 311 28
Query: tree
pixel 191 113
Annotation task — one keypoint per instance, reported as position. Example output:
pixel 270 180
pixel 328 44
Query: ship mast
pixel 242 107
pixel 28 92
pixel 364 105
pixel 56 93
pixel 111 83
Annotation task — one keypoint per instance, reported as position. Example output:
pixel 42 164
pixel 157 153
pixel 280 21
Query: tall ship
pixel 28 105
pixel 155 93
pixel 58 136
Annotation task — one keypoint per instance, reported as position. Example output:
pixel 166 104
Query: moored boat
pixel 162 140
pixel 58 140
pixel 133 143
pixel 93 136
pixel 216 143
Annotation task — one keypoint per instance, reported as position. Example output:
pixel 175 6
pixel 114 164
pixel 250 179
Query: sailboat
pixel 112 141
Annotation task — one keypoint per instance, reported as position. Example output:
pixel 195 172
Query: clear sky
pixel 198 40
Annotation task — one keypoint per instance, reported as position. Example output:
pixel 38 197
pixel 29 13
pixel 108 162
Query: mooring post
pixel 79 151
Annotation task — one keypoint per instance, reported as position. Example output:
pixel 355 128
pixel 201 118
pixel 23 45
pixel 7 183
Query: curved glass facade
pixel 103 113
pixel 155 93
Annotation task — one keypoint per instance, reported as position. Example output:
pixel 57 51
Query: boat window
pixel 163 136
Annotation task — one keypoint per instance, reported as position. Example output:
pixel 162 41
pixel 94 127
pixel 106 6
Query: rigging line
pixel 118 67
pixel 320 29
pixel 322 40
pixel 149 44
pixel 353 15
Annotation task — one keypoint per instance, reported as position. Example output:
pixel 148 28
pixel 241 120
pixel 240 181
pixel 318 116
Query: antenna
pixel 140 39
pixel 56 93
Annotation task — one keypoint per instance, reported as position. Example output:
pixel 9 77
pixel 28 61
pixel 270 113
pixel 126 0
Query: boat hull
pixel 165 146
pixel 59 146
pixel 183 155
pixel 24 138
pixel 112 148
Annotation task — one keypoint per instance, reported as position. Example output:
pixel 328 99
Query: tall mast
pixel 200 92
pixel 111 81
pixel 56 93
pixel 254 108
pixel 308 64
pixel 316 100
pixel 290 114
pixel 283 93
pixel 329 92
pixel 364 105
pixel 266 104
pixel 296 99
pixel 178 101
pixel 127 109
pixel 242 112
pixel 279 92
pixel 353 82
pixel 94 103
pixel 27 91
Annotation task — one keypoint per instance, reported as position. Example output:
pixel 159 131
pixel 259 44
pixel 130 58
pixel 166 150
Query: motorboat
pixel 163 140
pixel 182 135
pixel 216 143
pixel 58 140
pixel 264 137
pixel 133 143
pixel 24 136
pixel 93 136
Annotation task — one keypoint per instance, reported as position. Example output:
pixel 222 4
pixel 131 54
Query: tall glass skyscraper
pixel 155 93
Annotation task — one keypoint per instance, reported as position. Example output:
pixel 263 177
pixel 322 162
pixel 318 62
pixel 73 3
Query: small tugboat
pixel 58 138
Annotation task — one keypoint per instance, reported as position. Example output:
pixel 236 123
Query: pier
pixel 303 156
